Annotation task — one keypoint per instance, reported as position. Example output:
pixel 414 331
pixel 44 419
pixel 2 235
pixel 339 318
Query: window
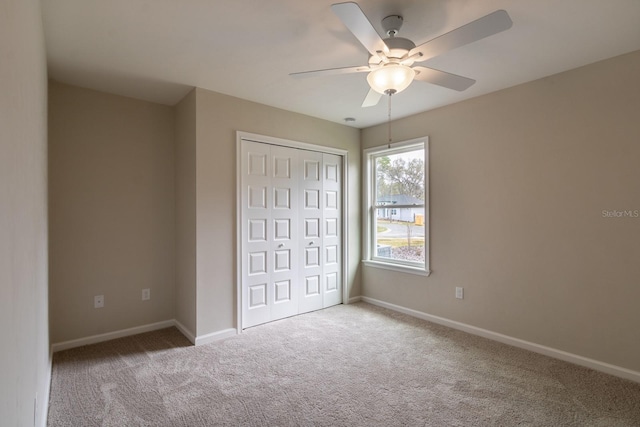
pixel 396 223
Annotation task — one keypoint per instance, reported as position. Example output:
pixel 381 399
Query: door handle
pixel 311 243
pixel 281 245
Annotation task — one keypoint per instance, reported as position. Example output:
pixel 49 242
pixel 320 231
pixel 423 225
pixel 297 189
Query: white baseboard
pixel 516 342
pixel 195 340
pixel 215 336
pixel 93 339
pixel 186 332
pixel 353 300
pixel 207 338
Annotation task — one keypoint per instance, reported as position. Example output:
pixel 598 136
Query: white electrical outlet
pixel 460 293
pixel 146 294
pixel 98 301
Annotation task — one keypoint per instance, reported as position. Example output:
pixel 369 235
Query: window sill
pixel 396 267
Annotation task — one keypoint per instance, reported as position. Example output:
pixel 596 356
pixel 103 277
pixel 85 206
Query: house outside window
pixel 396 225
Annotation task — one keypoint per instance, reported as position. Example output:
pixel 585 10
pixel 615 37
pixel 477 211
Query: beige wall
pixel 144 195
pixel 519 180
pixel 24 330
pixel 111 211
pixel 218 119
pixel 185 186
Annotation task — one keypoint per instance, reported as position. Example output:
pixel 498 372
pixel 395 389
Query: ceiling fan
pixel 391 60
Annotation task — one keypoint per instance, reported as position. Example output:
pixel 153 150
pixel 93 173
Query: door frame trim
pixel 263 139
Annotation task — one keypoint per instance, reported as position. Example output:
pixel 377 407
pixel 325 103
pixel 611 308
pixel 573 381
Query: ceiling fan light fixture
pixel 391 78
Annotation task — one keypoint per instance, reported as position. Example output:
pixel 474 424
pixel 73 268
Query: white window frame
pixel 370 257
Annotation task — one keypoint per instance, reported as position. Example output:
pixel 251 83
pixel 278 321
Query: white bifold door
pixel 291 231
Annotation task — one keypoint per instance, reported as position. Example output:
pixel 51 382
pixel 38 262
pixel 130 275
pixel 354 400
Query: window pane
pixel 400 236
pixel 400 178
pixel 400 231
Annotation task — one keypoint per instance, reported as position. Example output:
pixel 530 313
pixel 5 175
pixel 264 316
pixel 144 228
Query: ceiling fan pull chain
pixel 389 121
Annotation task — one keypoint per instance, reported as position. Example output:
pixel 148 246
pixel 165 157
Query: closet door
pixel 311 231
pixel 269 235
pixel 284 242
pixel 256 232
pixel 332 236
pixel 291 231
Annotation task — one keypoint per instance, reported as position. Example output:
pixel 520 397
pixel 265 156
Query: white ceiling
pixel 158 50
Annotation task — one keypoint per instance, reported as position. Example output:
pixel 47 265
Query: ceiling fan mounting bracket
pixel 392 25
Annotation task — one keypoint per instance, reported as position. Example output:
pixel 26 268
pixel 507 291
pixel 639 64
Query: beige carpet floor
pixel 349 365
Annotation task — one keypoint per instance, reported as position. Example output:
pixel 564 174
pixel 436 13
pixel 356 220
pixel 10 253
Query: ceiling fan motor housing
pixel 398 48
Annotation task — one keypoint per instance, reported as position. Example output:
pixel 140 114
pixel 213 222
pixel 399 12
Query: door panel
pixel 284 180
pixel 312 286
pixel 282 291
pixel 255 234
pixel 282 229
pixel 332 240
pixel 258 296
pixel 311 231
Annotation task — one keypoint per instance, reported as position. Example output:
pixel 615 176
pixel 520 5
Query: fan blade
pixel 440 78
pixel 356 21
pixel 476 30
pixel 331 71
pixel 372 98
